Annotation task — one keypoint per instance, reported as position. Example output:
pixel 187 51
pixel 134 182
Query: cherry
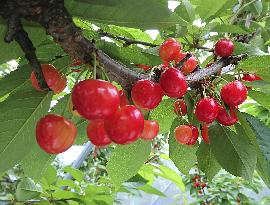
pixel 76 63
pixel 146 94
pixel 200 191
pixel 224 48
pixel 203 185
pixel 227 119
pixel 183 134
pixel 204 133
pixel 173 83
pixel 251 77
pixel 95 99
pixel 207 110
pixel 61 85
pixel 195 178
pixel 196 184
pixel 96 133
pixel 125 125
pixel 144 67
pixel 234 93
pixel 150 130
pixel 55 134
pixel 180 107
pixel 123 98
pixel 195 135
pixel 179 57
pixel 51 76
pixel 169 50
pixel 189 65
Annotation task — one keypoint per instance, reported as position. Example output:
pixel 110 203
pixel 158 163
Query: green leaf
pixel 15 80
pixel 207 161
pixel 50 175
pixel 259 85
pixel 183 156
pixel 261 98
pixel 126 160
pixel 68 183
pixel 186 11
pixel 27 189
pixel 209 8
pixel 235 153
pixel 75 173
pixel 137 14
pixel 250 49
pixel 246 128
pixel 151 190
pixel 227 28
pixel 256 64
pixel 19 114
pixel 164 114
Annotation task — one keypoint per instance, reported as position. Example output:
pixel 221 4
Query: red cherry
pixel 203 185
pixel 180 107
pixel 61 85
pixel 251 77
pixel 196 184
pixel 95 99
pixel 51 76
pixel 195 178
pixel 144 67
pixel 125 125
pixel 123 98
pixel 224 48
pixel 183 134
pixel 200 191
pixel 169 50
pixel 76 63
pixel 207 110
pixel 55 134
pixel 150 130
pixel 204 133
pixel 189 65
pixel 146 94
pixel 179 57
pixel 227 119
pixel 234 93
pixel 96 133
pixel 195 135
pixel 173 83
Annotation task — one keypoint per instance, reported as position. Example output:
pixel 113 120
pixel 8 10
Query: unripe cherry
pixel 150 130
pixel 206 110
pixel 55 134
pixel 234 93
pixel 224 48
pixel 96 133
pixel 180 107
pixel 189 65
pixel 183 134
pixel 95 99
pixel 125 125
pixel 173 83
pixel 61 85
pixel 146 94
pixel 169 49
pixel 225 118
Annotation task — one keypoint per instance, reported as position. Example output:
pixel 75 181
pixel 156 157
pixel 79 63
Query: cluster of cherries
pixel 198 183
pixel 112 119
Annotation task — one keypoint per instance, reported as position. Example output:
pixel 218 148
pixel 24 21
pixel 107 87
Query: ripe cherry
pixel 196 184
pixel 55 134
pixel 61 85
pixel 123 98
pixel 251 77
pixel 189 65
pixel 195 135
pixel 125 125
pixel 227 119
pixel 180 107
pixel 204 133
pixel 173 83
pixel 224 48
pixel 51 76
pixel 96 133
pixel 169 50
pixel 234 93
pixel 144 67
pixel 179 57
pixel 76 63
pixel 207 110
pixel 183 134
pixel 195 178
pixel 146 94
pixel 95 99
pixel 150 130
pixel 203 185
